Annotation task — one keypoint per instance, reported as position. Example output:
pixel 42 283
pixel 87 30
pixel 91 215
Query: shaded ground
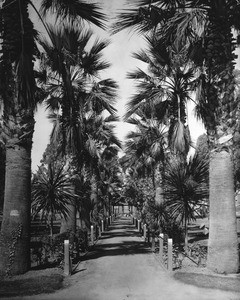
pixel 122 267
pixel 33 282
pixel 210 281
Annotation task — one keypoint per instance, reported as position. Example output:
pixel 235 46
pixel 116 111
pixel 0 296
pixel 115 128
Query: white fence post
pixel 102 226
pixel 139 225
pixel 170 260
pixel 145 231
pixel 92 235
pixel 153 242
pixel 67 259
pixel 161 236
pixel 106 227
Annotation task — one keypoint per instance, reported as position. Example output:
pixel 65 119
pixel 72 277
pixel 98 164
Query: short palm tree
pixel 185 187
pixel 52 191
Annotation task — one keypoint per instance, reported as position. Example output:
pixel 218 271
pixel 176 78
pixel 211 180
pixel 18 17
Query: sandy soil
pixel 122 267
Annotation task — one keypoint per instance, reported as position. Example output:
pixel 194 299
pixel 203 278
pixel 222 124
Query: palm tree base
pixel 223 254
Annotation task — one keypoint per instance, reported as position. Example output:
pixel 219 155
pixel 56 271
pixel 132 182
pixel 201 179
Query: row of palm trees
pixel 63 71
pixel 191 50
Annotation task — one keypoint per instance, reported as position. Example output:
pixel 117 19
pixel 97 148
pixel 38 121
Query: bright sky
pixel 119 55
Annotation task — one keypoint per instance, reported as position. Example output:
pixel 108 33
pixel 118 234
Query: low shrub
pixel 51 250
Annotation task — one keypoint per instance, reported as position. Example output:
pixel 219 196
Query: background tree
pixel 146 148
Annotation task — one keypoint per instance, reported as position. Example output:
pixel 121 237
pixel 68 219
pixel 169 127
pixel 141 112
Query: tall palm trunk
pixel 158 185
pixel 223 242
pixel 93 198
pixel 17 88
pixel 185 233
pixel 15 230
pixel 2 175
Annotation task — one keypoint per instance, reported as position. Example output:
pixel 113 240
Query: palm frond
pixel 74 10
pixel 185 186
pixel 132 19
pixel 52 191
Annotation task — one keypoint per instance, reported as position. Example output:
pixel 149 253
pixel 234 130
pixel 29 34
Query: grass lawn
pixel 32 283
pixel 210 281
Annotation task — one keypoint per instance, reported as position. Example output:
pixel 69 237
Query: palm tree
pixel 52 191
pixel 18 97
pixel 164 89
pixel 185 187
pixel 204 30
pixel 69 75
pixel 71 69
pixel 146 148
pixel 110 175
pixel 101 148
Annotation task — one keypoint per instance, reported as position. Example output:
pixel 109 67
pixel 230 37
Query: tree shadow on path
pixel 121 239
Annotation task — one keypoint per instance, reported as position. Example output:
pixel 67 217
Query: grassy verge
pixel 209 281
pixel 31 286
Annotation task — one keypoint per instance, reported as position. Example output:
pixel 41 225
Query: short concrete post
pixel 144 231
pixel 170 259
pixel 153 241
pixel 161 237
pixel 139 225
pixel 106 223
pixel 102 226
pixel 67 259
pixel 92 235
pixel 148 236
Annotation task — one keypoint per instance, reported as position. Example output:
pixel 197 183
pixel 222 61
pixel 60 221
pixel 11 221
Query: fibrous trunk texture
pixel 15 230
pixel 223 242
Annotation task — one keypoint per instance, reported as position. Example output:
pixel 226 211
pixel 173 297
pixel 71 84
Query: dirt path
pixel 121 267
